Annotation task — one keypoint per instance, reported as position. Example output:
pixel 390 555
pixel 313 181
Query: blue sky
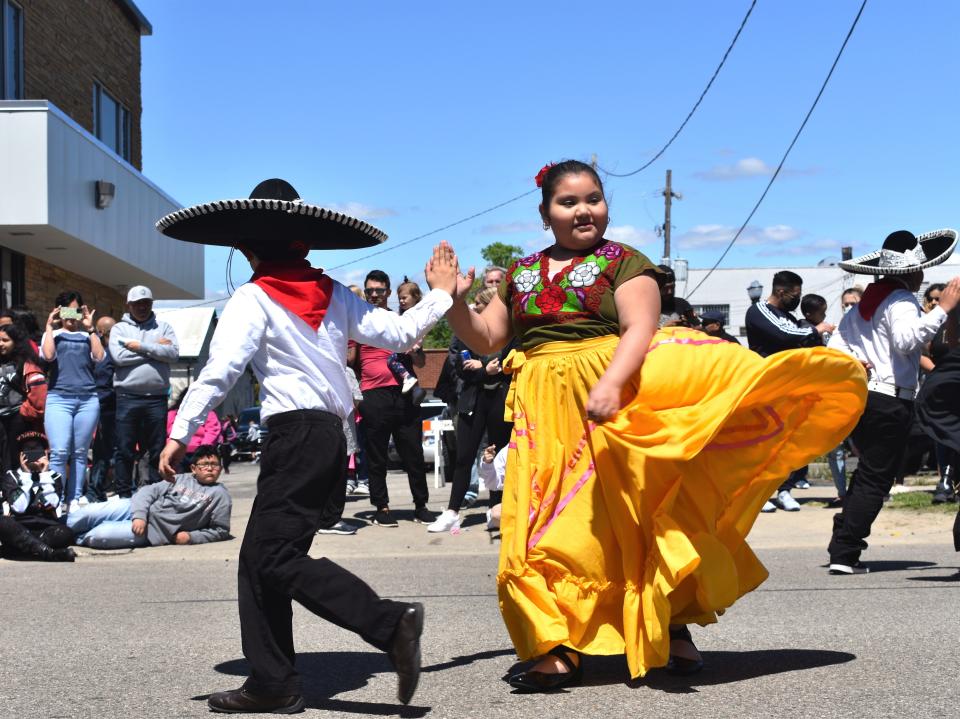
pixel 415 115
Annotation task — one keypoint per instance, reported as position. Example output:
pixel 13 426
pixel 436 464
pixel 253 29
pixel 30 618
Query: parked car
pixel 243 448
pixel 429 410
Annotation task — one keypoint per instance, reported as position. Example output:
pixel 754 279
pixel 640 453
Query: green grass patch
pixel 920 502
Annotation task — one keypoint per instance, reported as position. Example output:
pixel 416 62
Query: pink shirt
pixel 374 372
pixel 209 432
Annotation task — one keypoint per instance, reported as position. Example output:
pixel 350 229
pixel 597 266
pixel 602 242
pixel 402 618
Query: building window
pixel 723 309
pixel 11 51
pixel 11 278
pixel 111 121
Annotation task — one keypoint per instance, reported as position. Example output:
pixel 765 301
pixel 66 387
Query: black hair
pixel 377 276
pixel 666 275
pixel 277 251
pixel 851 291
pixel 203 451
pixel 22 349
pixel 785 280
pixel 568 167
pixel 68 296
pixel 933 288
pixel 22 316
pixel 812 303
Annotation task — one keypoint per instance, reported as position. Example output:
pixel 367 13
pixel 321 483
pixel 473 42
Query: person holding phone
pixel 73 409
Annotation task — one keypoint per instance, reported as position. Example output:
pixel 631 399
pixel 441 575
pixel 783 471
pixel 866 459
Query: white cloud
pixel 508 228
pixel 358 209
pixel 705 236
pixel 746 168
pixel 817 247
pixel 630 235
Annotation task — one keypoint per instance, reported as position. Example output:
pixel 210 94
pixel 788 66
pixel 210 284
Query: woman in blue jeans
pixel 71 348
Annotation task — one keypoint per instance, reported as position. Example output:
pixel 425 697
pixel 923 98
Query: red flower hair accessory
pixel 543 173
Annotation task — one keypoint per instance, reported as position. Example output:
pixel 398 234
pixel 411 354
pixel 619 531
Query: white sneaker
pixel 855 568
pixel 408 384
pixel 74 506
pixel 445 522
pixel 769 507
pixel 362 489
pixel 802 484
pixel 787 503
pixel 83 501
pixel 491 522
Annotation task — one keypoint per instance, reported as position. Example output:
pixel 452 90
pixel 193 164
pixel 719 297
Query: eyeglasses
pixel 371 291
pixel 207 465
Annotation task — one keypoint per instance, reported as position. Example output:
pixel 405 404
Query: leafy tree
pixel 501 254
pixel 439 337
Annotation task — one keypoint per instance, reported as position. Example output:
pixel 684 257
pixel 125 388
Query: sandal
pixel 682 666
pixel 534 681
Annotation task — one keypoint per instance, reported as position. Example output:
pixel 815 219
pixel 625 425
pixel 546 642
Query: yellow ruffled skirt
pixel 612 532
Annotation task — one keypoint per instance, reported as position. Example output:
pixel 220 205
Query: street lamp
pixel 755 292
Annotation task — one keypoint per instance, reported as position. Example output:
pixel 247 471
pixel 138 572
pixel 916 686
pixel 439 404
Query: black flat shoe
pixel 681 666
pixel 240 701
pixel 404 651
pixel 534 681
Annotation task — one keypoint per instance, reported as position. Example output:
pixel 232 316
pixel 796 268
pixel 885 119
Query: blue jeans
pixel 141 420
pixel 105 525
pixel 70 420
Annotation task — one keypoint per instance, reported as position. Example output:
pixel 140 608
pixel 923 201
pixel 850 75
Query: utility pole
pixel 668 195
pixel 593 161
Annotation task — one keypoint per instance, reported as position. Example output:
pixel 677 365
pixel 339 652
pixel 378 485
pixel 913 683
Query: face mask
pixel 791 304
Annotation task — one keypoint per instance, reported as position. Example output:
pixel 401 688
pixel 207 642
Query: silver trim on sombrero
pixel 297 208
pixel 890 262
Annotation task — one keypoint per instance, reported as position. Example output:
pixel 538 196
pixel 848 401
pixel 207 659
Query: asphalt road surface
pixel 151 632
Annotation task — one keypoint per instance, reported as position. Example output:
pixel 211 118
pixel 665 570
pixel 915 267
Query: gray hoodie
pixel 147 371
pixel 183 506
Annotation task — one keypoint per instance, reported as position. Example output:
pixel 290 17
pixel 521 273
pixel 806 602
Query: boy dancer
pixel 292 324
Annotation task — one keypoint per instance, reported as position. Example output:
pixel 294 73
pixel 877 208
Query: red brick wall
pixel 43 282
pixel 430 372
pixel 69 44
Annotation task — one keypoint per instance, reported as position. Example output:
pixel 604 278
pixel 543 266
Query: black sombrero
pixel 273 211
pixel 902 253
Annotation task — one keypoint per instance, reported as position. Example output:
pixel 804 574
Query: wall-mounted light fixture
pixel 105 193
pixel 755 291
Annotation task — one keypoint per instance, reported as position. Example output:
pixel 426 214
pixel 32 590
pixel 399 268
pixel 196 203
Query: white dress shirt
pixel 891 340
pixel 297 367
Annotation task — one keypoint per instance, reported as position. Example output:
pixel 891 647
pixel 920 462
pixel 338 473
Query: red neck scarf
pixel 876 293
pixel 297 287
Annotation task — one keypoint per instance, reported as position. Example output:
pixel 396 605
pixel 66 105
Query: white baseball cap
pixel 139 293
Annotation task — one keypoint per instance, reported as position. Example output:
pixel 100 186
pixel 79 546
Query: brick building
pixel 75 210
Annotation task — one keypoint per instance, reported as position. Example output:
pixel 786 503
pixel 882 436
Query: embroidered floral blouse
pixel 577 302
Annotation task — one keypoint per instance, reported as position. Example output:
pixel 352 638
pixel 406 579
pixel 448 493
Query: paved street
pixel 149 633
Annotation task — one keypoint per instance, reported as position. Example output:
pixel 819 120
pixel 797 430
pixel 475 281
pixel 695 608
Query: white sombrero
pixel 274 211
pixel 902 253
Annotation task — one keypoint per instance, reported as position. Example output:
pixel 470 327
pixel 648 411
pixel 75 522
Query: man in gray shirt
pixel 193 509
pixel 142 348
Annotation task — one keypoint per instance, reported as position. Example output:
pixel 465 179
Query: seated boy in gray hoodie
pixel 193 509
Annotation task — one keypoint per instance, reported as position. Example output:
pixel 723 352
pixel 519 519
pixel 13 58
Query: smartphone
pixel 69 313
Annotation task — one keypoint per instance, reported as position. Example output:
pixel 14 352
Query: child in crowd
pixel 193 509
pixel 33 494
pixel 493 467
pixel 408 294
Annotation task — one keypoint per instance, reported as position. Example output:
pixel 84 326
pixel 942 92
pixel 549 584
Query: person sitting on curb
pixel 33 493
pixel 193 509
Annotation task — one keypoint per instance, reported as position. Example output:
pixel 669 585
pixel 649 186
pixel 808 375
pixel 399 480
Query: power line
pixel 433 232
pixel 695 106
pixel 787 153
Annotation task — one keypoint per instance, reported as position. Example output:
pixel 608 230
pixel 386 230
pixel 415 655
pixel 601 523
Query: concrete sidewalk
pixel 150 632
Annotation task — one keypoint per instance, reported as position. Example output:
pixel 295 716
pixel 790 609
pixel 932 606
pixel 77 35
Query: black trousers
pixel 292 490
pixel 881 438
pixel 387 412
pixel 487 418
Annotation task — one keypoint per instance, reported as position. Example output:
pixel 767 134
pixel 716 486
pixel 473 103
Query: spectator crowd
pixel 86 405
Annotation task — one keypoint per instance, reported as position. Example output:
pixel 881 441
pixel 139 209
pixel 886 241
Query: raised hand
pixel 441 269
pixel 87 320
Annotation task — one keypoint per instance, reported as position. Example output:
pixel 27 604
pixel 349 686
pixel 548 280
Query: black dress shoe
pixel 681 666
pixel 533 681
pixel 240 701
pixel 404 651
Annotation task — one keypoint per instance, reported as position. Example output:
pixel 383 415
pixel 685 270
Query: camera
pixel 70 313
